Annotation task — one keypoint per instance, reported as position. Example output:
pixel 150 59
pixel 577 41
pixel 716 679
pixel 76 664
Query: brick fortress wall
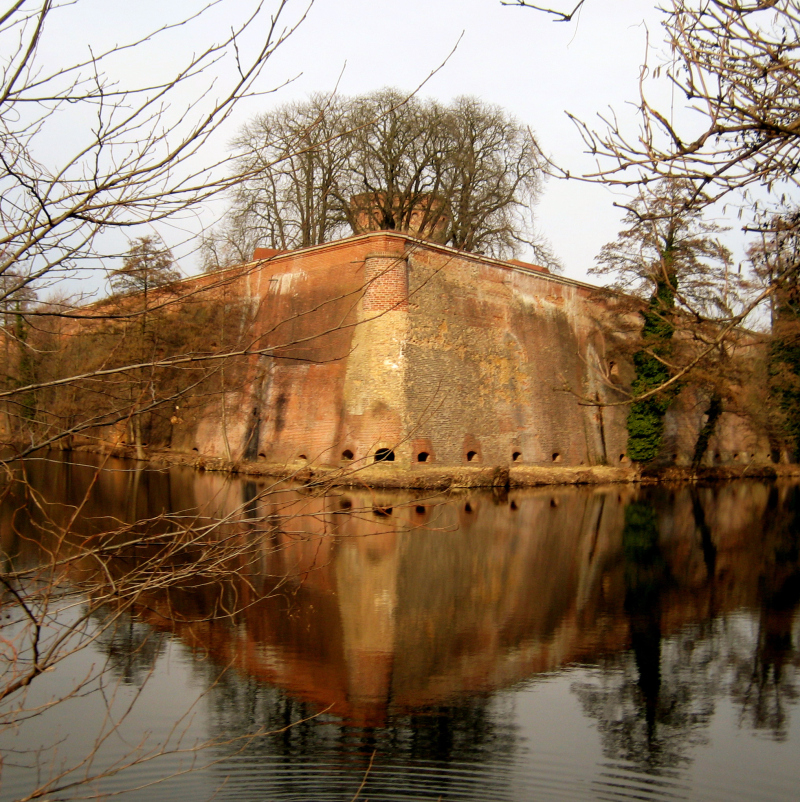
pixel 383 341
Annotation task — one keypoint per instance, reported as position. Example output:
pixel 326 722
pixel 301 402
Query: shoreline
pixel 433 477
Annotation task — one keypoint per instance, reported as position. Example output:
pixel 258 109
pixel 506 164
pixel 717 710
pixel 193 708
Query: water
pixel 560 643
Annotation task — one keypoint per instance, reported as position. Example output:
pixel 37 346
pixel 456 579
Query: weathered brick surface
pixel 383 341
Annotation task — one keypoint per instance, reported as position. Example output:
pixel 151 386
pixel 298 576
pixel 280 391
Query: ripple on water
pixel 524 777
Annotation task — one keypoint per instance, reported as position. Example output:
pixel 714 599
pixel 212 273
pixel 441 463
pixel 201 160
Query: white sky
pixel 519 59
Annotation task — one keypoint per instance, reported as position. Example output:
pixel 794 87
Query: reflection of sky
pixel 146 713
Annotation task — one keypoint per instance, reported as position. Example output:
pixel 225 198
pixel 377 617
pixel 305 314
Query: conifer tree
pixel 147 265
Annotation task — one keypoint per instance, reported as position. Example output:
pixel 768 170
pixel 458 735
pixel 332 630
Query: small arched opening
pixel 423 456
pixel 347 455
pixel 516 456
pixel 384 455
pixel 472 456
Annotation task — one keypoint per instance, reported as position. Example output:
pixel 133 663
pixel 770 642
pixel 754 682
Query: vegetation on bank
pixel 128 370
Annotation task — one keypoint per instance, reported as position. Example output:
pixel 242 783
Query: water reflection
pixel 766 684
pixel 403 626
pixel 651 706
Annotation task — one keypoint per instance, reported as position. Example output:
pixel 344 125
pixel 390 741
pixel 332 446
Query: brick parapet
pixel 385 282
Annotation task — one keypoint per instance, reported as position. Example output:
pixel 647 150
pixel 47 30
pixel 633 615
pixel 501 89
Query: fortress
pixel 384 347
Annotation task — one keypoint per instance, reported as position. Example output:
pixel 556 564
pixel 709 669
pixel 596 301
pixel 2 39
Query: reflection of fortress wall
pixel 383 604
pixel 385 341
pixel 390 612
pixel 366 580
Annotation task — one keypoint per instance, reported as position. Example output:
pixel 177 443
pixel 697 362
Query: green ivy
pixel 646 418
pixel 785 384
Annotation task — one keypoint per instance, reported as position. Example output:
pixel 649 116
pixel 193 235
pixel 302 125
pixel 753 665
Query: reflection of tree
pixel 130 645
pixel 706 541
pixel 336 753
pixel 652 703
pixel 765 682
pixel 645 573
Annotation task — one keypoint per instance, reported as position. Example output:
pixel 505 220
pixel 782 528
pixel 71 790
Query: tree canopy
pixel 667 242
pixel 147 265
pixel 465 174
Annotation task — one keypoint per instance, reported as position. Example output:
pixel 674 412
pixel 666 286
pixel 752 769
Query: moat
pixel 603 642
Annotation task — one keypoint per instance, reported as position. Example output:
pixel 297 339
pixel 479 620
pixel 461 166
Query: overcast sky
pixel 519 59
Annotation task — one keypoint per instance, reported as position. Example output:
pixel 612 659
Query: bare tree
pixel 466 174
pixel 399 151
pixel 494 181
pixel 138 155
pixel 293 158
pixel 560 16
pixel 148 264
pixel 233 241
pixel 736 64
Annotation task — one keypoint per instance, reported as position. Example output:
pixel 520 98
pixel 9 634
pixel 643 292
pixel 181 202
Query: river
pixel 605 643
